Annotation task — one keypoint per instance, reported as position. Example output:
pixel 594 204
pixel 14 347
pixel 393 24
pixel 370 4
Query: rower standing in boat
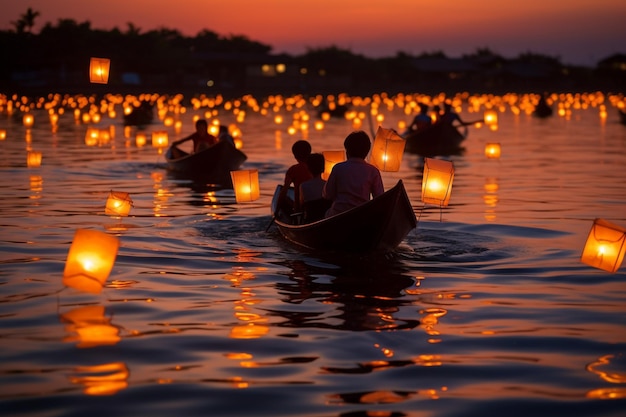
pixel 351 182
pixel 201 138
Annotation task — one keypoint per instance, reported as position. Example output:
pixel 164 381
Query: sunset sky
pixel 578 32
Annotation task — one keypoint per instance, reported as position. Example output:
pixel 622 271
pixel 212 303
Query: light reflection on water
pixel 206 312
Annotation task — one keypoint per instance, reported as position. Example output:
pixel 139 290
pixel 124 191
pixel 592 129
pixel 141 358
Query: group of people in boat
pixel 426 118
pixel 201 138
pixel 350 183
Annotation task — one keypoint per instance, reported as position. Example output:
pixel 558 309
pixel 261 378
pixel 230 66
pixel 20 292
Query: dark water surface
pixel 485 308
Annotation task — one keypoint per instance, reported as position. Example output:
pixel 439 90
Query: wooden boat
pixel 212 164
pixel 437 139
pixel 376 226
pixel 542 110
pixel 141 115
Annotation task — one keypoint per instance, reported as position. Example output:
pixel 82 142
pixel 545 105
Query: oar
pixel 271 222
pixel 473 123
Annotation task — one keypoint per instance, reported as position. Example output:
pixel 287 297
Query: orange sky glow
pixel 577 32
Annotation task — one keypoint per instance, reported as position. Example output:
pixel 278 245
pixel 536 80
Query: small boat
pixel 437 139
pixel 212 164
pixel 542 110
pixel 140 116
pixel 622 116
pixel 379 225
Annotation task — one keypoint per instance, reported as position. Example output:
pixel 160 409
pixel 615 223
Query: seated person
pixel 421 120
pixel 201 138
pixel 351 182
pixel 296 175
pixel 313 205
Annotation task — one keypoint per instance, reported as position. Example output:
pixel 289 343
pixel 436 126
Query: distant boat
pixel 542 109
pixel 140 116
pixel 622 116
pixel 437 139
pixel 379 225
pixel 212 164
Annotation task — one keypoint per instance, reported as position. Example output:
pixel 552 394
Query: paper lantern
pixel 437 181
pixel 246 185
pixel 3 134
pixel 492 150
pixel 605 246
pixel 33 159
pixel 491 117
pixel 28 120
pixel 387 150
pixel 90 260
pixel 99 70
pixel 118 204
pixel 140 139
pixel 159 139
pixel 331 158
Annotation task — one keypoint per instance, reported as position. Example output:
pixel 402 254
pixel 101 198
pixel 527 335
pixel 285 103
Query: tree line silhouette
pixel 57 58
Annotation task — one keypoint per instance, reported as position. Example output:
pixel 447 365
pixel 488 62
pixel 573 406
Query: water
pixel 485 308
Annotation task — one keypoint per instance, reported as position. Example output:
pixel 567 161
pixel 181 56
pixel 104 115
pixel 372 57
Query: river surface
pixel 484 309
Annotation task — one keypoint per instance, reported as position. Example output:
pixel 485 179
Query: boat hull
pixel 379 225
pixel 437 139
pixel 210 165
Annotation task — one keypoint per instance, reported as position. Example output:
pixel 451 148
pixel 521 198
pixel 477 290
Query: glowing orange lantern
pixel 99 70
pixel 437 181
pixel 118 204
pixel 246 185
pixel 605 246
pixel 90 260
pixel 28 120
pixel 331 158
pixel 387 150
pixel 492 150
pixel 33 159
pixel 140 139
pixel 3 134
pixel 159 139
pixel 491 117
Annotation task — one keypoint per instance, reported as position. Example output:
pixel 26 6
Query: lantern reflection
pixel 89 327
pixel 605 247
pixel 105 379
pixel 246 185
pixel 90 260
pixel 387 150
pixel 118 204
pixel 437 181
pixel 99 70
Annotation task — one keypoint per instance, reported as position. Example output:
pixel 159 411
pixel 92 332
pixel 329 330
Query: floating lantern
pixel 28 120
pixel 387 150
pixel 331 158
pixel 246 185
pixel 99 70
pixel 159 139
pixel 90 260
pixel 491 117
pixel 605 246
pixel 140 139
pixel 118 204
pixel 437 181
pixel 492 150
pixel 3 134
pixel 33 159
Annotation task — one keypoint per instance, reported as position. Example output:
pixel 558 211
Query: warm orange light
pixel 3 134
pixel 90 327
pixel 159 139
pixel 118 204
pixel 249 331
pixel 33 159
pixel 331 158
pixel 437 181
pixel 246 185
pixel 28 120
pixel 90 260
pixel 99 70
pixel 605 246
pixel 387 150
pixel 492 150
pixel 491 117
pixel 105 379
pixel 140 139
